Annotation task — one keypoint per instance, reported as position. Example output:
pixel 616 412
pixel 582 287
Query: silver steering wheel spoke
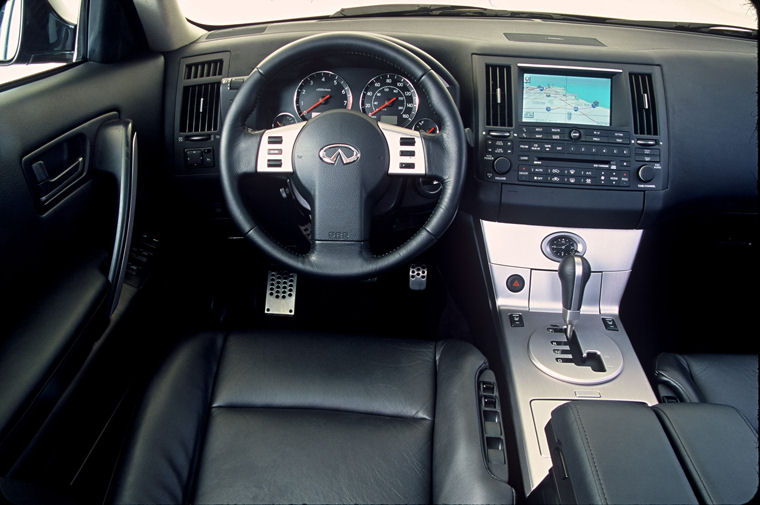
pixel 275 154
pixel 407 154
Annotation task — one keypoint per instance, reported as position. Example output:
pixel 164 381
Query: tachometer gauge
pixel 320 92
pixel 283 119
pixel 426 125
pixel 390 98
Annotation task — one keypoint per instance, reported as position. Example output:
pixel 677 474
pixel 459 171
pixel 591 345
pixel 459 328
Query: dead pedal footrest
pixel 281 293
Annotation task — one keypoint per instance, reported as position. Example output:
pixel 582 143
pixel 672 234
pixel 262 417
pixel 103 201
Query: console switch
pixel 609 324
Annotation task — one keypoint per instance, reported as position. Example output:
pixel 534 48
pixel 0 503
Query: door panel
pixel 67 193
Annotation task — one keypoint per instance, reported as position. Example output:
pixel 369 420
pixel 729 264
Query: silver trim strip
pixel 570 67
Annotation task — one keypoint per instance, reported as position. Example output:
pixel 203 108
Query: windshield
pixel 714 12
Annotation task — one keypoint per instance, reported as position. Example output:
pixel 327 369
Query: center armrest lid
pixel 614 452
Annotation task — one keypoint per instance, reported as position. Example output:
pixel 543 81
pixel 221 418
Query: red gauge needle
pixel 431 130
pixel 386 104
pixel 319 102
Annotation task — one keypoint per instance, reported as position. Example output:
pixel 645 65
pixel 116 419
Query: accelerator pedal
pixel 281 293
pixel 418 277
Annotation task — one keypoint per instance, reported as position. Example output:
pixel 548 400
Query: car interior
pixel 395 254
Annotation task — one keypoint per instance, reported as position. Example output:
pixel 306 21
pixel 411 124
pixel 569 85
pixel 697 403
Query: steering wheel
pixel 341 161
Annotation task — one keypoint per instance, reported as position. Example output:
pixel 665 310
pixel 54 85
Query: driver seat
pixel 304 418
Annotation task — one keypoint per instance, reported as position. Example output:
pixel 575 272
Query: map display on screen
pixel 566 99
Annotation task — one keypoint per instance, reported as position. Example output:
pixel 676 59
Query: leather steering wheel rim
pixel 333 254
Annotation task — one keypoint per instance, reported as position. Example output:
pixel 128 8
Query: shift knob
pixel 574 272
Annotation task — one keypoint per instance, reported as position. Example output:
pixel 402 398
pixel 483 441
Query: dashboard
pixel 568 124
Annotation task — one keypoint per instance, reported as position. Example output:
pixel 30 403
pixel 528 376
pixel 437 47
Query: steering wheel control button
pixel 277 159
pixel 609 324
pixel 516 321
pixel 515 283
pixel 397 137
pixel 406 166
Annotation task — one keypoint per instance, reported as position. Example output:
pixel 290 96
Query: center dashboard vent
pixel 498 95
pixel 643 105
pixel 200 96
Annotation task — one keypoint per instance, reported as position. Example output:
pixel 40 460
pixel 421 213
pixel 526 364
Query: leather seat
pixel 295 418
pixel 728 379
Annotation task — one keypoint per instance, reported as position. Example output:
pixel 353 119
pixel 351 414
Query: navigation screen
pixel 566 99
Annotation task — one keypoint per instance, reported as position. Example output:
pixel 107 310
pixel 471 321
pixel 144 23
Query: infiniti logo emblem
pixel 348 154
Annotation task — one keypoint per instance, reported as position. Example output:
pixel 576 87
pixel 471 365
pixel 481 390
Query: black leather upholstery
pixel 726 379
pixel 614 452
pixel 266 418
pixel 717 447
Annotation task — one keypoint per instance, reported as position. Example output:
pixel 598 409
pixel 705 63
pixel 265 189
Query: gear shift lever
pixel 574 272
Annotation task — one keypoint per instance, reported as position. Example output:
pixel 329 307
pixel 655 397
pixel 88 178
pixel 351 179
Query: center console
pixel 546 365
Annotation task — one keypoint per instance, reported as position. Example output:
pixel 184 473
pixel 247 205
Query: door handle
pixel 51 188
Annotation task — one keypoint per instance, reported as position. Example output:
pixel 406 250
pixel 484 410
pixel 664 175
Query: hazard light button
pixel 515 283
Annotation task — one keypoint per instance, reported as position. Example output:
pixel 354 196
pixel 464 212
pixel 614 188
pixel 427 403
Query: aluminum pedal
pixel 418 277
pixel 281 293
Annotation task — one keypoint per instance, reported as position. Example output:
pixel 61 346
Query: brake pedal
pixel 281 293
pixel 418 277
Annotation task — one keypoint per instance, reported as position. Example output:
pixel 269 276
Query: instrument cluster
pixel 385 96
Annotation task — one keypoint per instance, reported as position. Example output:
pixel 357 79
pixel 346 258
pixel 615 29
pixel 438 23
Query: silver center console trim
pixel 516 249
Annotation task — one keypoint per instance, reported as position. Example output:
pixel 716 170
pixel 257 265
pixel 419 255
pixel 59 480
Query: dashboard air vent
pixel 203 69
pixel 498 95
pixel 200 108
pixel 643 104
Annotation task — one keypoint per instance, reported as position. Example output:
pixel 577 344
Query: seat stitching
pixel 683 453
pixel 590 451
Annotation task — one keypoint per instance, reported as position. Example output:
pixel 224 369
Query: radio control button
pixel 575 134
pixel 502 165
pixel 646 173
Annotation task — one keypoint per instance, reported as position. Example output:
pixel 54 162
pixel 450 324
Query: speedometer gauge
pixel 320 92
pixel 390 98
